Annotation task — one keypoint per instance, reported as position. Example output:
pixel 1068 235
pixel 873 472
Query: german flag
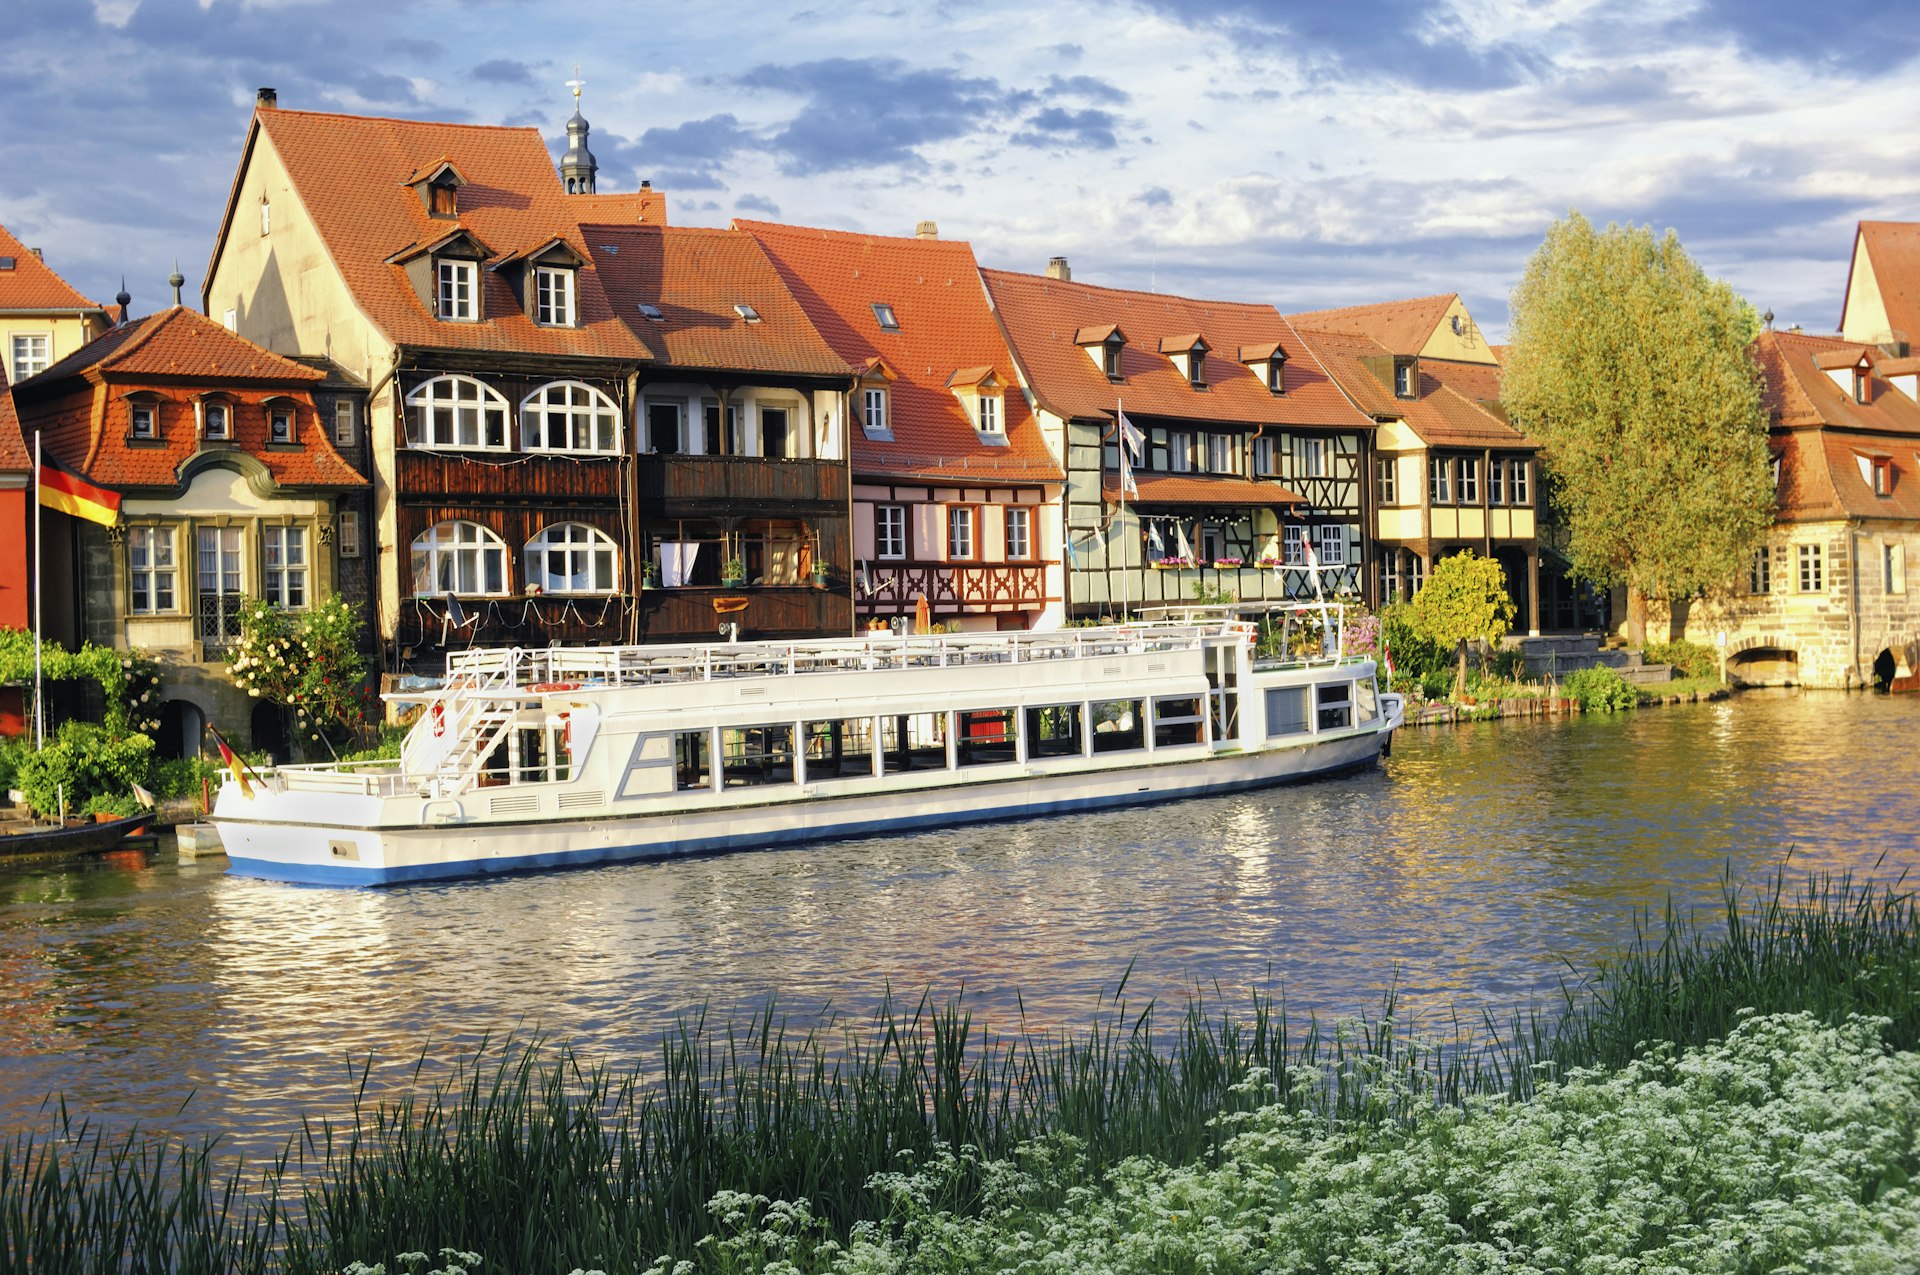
pixel 62 489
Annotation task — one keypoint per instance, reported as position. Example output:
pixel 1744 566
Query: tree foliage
pixel 129 681
pixel 1631 368
pixel 307 661
pixel 1465 598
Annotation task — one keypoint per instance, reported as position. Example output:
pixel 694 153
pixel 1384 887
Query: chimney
pixel 38 253
pixel 1057 268
pixel 646 183
pixel 267 100
pixel 926 230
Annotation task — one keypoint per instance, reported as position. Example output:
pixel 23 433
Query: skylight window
pixel 651 312
pixel 747 312
pixel 884 316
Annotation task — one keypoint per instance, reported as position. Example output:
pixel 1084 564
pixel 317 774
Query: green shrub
pixel 1690 659
pixel 85 761
pixel 1599 690
pixel 1436 683
pixel 12 753
pixel 1411 652
pixel 386 748
pixel 180 776
pixel 119 806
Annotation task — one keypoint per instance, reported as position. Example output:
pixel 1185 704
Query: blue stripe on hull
pixel 346 875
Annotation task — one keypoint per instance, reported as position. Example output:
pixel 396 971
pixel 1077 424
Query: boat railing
pixel 479 675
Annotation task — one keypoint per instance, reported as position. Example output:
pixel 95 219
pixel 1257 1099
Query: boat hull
pixel 373 856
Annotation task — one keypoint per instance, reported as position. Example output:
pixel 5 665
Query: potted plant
pixel 650 575
pixel 819 575
pixel 733 573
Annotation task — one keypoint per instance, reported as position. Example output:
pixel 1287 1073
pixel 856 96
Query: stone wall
pixel 1867 601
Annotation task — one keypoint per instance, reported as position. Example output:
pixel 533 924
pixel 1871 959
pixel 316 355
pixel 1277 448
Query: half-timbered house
pixel 1251 465
pixel 444 266
pixel 742 474
pixel 1449 473
pixel 955 492
pixel 230 485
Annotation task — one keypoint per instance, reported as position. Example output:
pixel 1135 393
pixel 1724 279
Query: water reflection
pixel 1464 870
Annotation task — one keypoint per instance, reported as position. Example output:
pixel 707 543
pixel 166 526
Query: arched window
pixel 459 557
pixel 569 416
pixel 571 557
pixel 457 411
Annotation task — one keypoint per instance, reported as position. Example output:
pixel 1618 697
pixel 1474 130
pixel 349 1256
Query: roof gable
pixel 30 284
pixel 1890 253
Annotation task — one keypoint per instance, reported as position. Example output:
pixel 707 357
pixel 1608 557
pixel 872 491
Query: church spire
pixel 576 166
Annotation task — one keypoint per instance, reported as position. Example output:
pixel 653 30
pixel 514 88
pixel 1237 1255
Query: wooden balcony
pixel 688 486
pixel 771 611
pixel 518 621
pixel 953 588
pixel 453 478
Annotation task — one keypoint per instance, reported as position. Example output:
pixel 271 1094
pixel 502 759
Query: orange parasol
pixel 922 617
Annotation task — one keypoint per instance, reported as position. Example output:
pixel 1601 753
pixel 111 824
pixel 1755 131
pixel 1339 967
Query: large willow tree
pixel 1630 367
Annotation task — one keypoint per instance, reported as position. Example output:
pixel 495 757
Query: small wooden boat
pixel 74 838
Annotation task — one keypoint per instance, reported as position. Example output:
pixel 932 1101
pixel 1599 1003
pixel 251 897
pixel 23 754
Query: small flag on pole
pixel 233 762
pixel 142 796
pixel 1132 441
pixel 1313 561
pixel 68 492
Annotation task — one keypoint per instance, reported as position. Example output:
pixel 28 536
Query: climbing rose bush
pixel 309 661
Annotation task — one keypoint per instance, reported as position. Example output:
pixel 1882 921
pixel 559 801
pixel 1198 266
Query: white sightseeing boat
pixel 531 759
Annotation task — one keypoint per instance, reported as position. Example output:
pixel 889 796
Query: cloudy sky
pixel 1305 154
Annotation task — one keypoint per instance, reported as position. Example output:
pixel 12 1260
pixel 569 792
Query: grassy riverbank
pixel 916 1139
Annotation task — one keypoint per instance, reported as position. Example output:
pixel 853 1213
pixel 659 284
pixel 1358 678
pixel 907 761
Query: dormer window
pixel 1862 387
pixel 458 289
pixel 280 423
pixel 438 186
pixel 873 410
pixel 143 419
pixel 216 420
pixel 1406 378
pixel 1882 476
pixel 553 297
pixel 979 392
pixel 884 316
pixel 1103 345
pixel 1269 363
pixel 1189 354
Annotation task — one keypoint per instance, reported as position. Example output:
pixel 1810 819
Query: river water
pixel 1470 870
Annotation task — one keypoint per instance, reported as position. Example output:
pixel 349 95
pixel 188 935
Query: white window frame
pixel 346 535
pixel 151 410
pixel 1406 382
pixel 1387 479
pixel 275 414
pixel 873 411
pixel 1811 563
pixel 1760 571
pixel 572 558
pixel 963 534
pixel 344 423
pixel 220 410
pixel 1293 544
pixel 1497 481
pixel 1266 457
pixel 1440 480
pixel 152 571
pixel 890 532
pixel 588 419
pixel 22 362
pixel 1893 567
pixel 1019 533
pixel 1220 454
pixel 284 567
pixel 1180 451
pixel 1313 458
pixel 456 289
pixel 443 411
pixel 554 301
pixel 1467 479
pixel 1333 544
pixel 1517 482
pixel 987 417
pixel 459 557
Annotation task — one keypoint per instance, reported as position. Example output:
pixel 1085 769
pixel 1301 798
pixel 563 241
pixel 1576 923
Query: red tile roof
pixel 1043 316
pixel 1199 489
pixel 179 352
pixel 695 277
pixel 1403 327
pixel 1894 249
pixel 15 458
pixel 1820 432
pixel 32 284
pixel 1452 409
pixel 349 172
pixel 945 326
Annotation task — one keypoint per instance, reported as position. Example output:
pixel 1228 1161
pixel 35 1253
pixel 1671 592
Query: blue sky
pixel 1300 154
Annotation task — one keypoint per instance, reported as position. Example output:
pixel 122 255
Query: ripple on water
pixel 1462 873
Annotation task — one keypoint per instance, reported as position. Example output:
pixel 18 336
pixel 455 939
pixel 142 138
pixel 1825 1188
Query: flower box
pixel 1227 564
pixel 1173 564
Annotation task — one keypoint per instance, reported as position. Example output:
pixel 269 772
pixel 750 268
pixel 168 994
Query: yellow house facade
pixel 43 318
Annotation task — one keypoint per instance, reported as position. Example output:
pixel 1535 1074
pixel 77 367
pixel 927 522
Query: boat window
pixel 1336 705
pixel 837 749
pixel 1054 731
pixel 1286 710
pixel 988 735
pixel 649 772
pixel 916 741
pixel 756 755
pixel 692 760
pixel 543 757
pixel 1118 725
pixel 1176 720
pixel 1366 701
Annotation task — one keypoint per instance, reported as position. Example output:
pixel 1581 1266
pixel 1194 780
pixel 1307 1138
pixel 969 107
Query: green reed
pixel 546 1162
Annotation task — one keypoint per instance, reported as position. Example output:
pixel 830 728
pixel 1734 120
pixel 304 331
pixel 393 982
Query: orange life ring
pixel 545 687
